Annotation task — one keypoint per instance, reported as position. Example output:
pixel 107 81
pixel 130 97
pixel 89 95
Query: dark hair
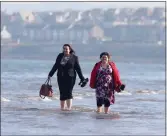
pixel 71 49
pixel 105 53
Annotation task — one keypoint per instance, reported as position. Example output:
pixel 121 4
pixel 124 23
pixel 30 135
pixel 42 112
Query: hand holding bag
pixel 46 89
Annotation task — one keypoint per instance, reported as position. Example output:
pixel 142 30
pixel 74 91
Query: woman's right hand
pixel 83 82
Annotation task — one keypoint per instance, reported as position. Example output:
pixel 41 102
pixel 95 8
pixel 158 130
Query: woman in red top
pixel 105 79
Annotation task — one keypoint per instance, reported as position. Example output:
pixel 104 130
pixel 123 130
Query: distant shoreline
pixel 131 52
pixel 94 59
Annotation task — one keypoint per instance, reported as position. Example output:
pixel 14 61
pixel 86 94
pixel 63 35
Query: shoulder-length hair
pixel 71 49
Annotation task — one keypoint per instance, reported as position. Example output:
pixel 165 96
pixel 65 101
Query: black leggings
pixel 66 84
pixel 101 101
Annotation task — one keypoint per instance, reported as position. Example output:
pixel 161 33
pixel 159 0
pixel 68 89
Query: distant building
pixel 27 16
pixel 5 35
pixel 97 32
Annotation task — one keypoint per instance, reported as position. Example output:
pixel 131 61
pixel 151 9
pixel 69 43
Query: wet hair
pixel 71 49
pixel 105 53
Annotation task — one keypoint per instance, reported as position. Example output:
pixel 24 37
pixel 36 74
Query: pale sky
pixel 41 6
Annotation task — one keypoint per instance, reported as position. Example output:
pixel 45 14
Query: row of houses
pixel 117 25
pixel 32 33
pixel 121 33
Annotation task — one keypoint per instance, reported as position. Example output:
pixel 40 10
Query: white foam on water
pixel 34 98
pixel 4 99
pixel 78 97
pixel 46 99
pixel 82 109
pixel 153 92
pixel 38 98
pixel 148 92
pixel 124 93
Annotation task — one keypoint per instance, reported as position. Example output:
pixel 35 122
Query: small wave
pixel 161 92
pixel 73 109
pixel 84 94
pixel 4 99
pixel 111 115
pixel 31 109
pixel 146 92
pixel 151 100
pixel 131 112
pixel 46 99
pixel 124 93
pixel 83 109
pixel 37 98
pixel 78 97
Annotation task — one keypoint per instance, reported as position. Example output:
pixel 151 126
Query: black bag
pixel 46 89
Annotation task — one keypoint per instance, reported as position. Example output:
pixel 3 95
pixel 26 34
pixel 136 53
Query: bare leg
pixel 99 109
pixel 106 109
pixel 62 103
pixel 69 104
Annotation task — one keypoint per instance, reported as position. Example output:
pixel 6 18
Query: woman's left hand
pixel 122 87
